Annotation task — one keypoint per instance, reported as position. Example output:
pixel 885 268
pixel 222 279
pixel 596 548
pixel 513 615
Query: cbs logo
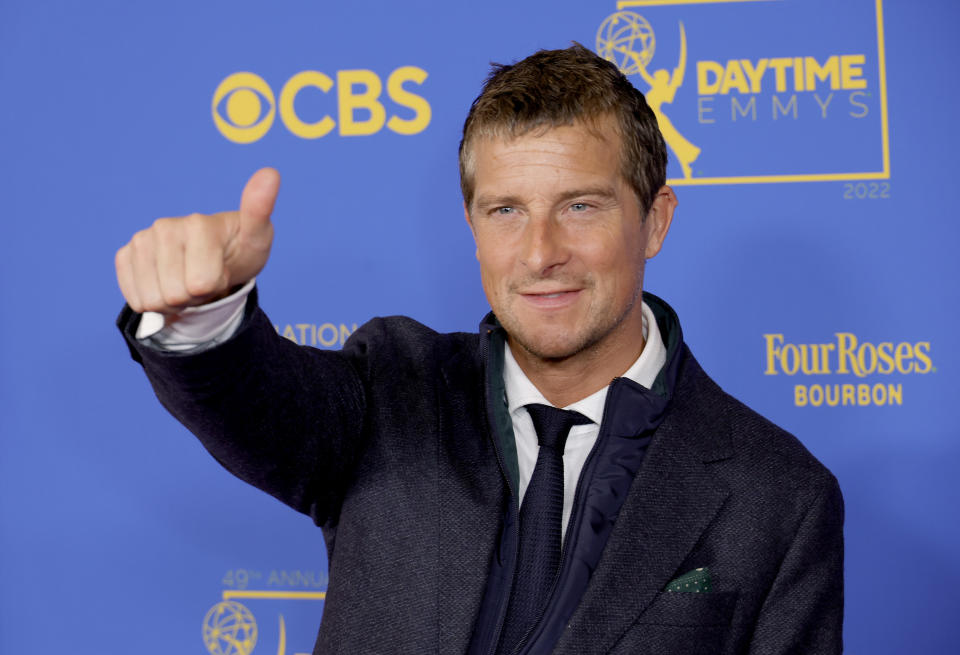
pixel 244 106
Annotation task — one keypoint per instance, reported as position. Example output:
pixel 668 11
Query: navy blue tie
pixel 540 519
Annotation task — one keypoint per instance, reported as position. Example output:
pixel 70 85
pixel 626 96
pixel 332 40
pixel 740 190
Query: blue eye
pixel 578 206
pixel 504 210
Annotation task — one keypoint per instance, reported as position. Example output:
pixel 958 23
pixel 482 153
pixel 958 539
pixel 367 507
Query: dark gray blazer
pixel 386 447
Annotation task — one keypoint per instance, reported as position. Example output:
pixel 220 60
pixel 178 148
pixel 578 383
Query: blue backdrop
pixel 812 262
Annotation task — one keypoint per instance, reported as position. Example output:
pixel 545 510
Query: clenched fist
pixel 180 262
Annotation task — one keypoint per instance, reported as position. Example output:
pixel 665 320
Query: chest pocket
pixel 676 622
pixel 678 608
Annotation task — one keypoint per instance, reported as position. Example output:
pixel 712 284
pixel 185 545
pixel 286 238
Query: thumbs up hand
pixel 191 260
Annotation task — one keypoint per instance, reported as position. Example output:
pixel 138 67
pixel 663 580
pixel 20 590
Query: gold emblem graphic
pixel 627 39
pixel 245 121
pixel 229 629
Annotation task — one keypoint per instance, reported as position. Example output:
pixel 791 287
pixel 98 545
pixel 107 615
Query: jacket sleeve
pixel 288 419
pixel 803 610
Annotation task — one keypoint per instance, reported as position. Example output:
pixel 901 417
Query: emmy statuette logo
pixel 627 39
pixel 773 97
pixel 229 629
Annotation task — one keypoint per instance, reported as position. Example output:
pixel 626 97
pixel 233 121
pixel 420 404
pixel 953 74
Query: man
pixel 462 512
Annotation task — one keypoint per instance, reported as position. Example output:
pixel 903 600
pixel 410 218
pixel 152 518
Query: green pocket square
pixel 696 581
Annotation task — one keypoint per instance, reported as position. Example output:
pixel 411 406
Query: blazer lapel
pixel 671 502
pixel 471 495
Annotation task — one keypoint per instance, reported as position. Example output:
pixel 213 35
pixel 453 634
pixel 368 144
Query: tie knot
pixel 553 425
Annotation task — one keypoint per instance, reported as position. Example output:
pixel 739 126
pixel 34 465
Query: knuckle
pixel 198 285
pixel 167 230
pixel 161 224
pixel 201 228
pixel 141 240
pixel 152 301
pixel 195 221
pixel 176 297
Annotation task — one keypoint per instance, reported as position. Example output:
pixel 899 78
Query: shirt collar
pixel 521 391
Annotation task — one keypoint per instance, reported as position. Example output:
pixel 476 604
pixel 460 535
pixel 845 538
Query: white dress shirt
pixel 204 325
pixel 520 392
pixel 208 325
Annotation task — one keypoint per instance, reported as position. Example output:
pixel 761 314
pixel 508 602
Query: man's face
pixel 562 242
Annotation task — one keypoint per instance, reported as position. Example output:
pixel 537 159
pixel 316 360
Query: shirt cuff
pixel 195 327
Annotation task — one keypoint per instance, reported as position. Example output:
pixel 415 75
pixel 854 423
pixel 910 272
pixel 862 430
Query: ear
pixel 658 220
pixel 466 215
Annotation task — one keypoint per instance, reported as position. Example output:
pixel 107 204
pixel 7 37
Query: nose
pixel 543 245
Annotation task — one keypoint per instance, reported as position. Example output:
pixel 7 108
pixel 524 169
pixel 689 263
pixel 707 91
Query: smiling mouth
pixel 553 299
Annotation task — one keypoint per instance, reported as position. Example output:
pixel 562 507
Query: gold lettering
pixel 734 78
pixel 750 108
pixel 853 101
pixel 421 108
pixel 754 73
pixel 823 105
pixel 851 72
pixel 895 394
pixel 826 349
pixel 809 359
pixel 303 333
pixel 746 76
pixel 773 352
pixel 288 113
pixel 816 395
pixel 879 394
pixel 867 349
pixel 904 352
pixel 885 353
pixel 846 352
pixel 791 105
pixel 835 399
pixel 706 69
pixel 780 66
pixel 922 351
pixel 703 109
pixel 800 395
pixel 789 361
pixel 322 331
pixel 848 397
pixel 345 332
pixel 829 71
pixel 798 74
pixel 349 102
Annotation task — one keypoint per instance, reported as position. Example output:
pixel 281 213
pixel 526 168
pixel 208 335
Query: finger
pixel 144 261
pixel 258 198
pixel 168 236
pixel 204 272
pixel 125 278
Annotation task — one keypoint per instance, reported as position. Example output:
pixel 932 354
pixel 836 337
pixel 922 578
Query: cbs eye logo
pixel 244 106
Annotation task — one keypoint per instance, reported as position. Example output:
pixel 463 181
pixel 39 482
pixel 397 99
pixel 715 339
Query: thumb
pixel 259 195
